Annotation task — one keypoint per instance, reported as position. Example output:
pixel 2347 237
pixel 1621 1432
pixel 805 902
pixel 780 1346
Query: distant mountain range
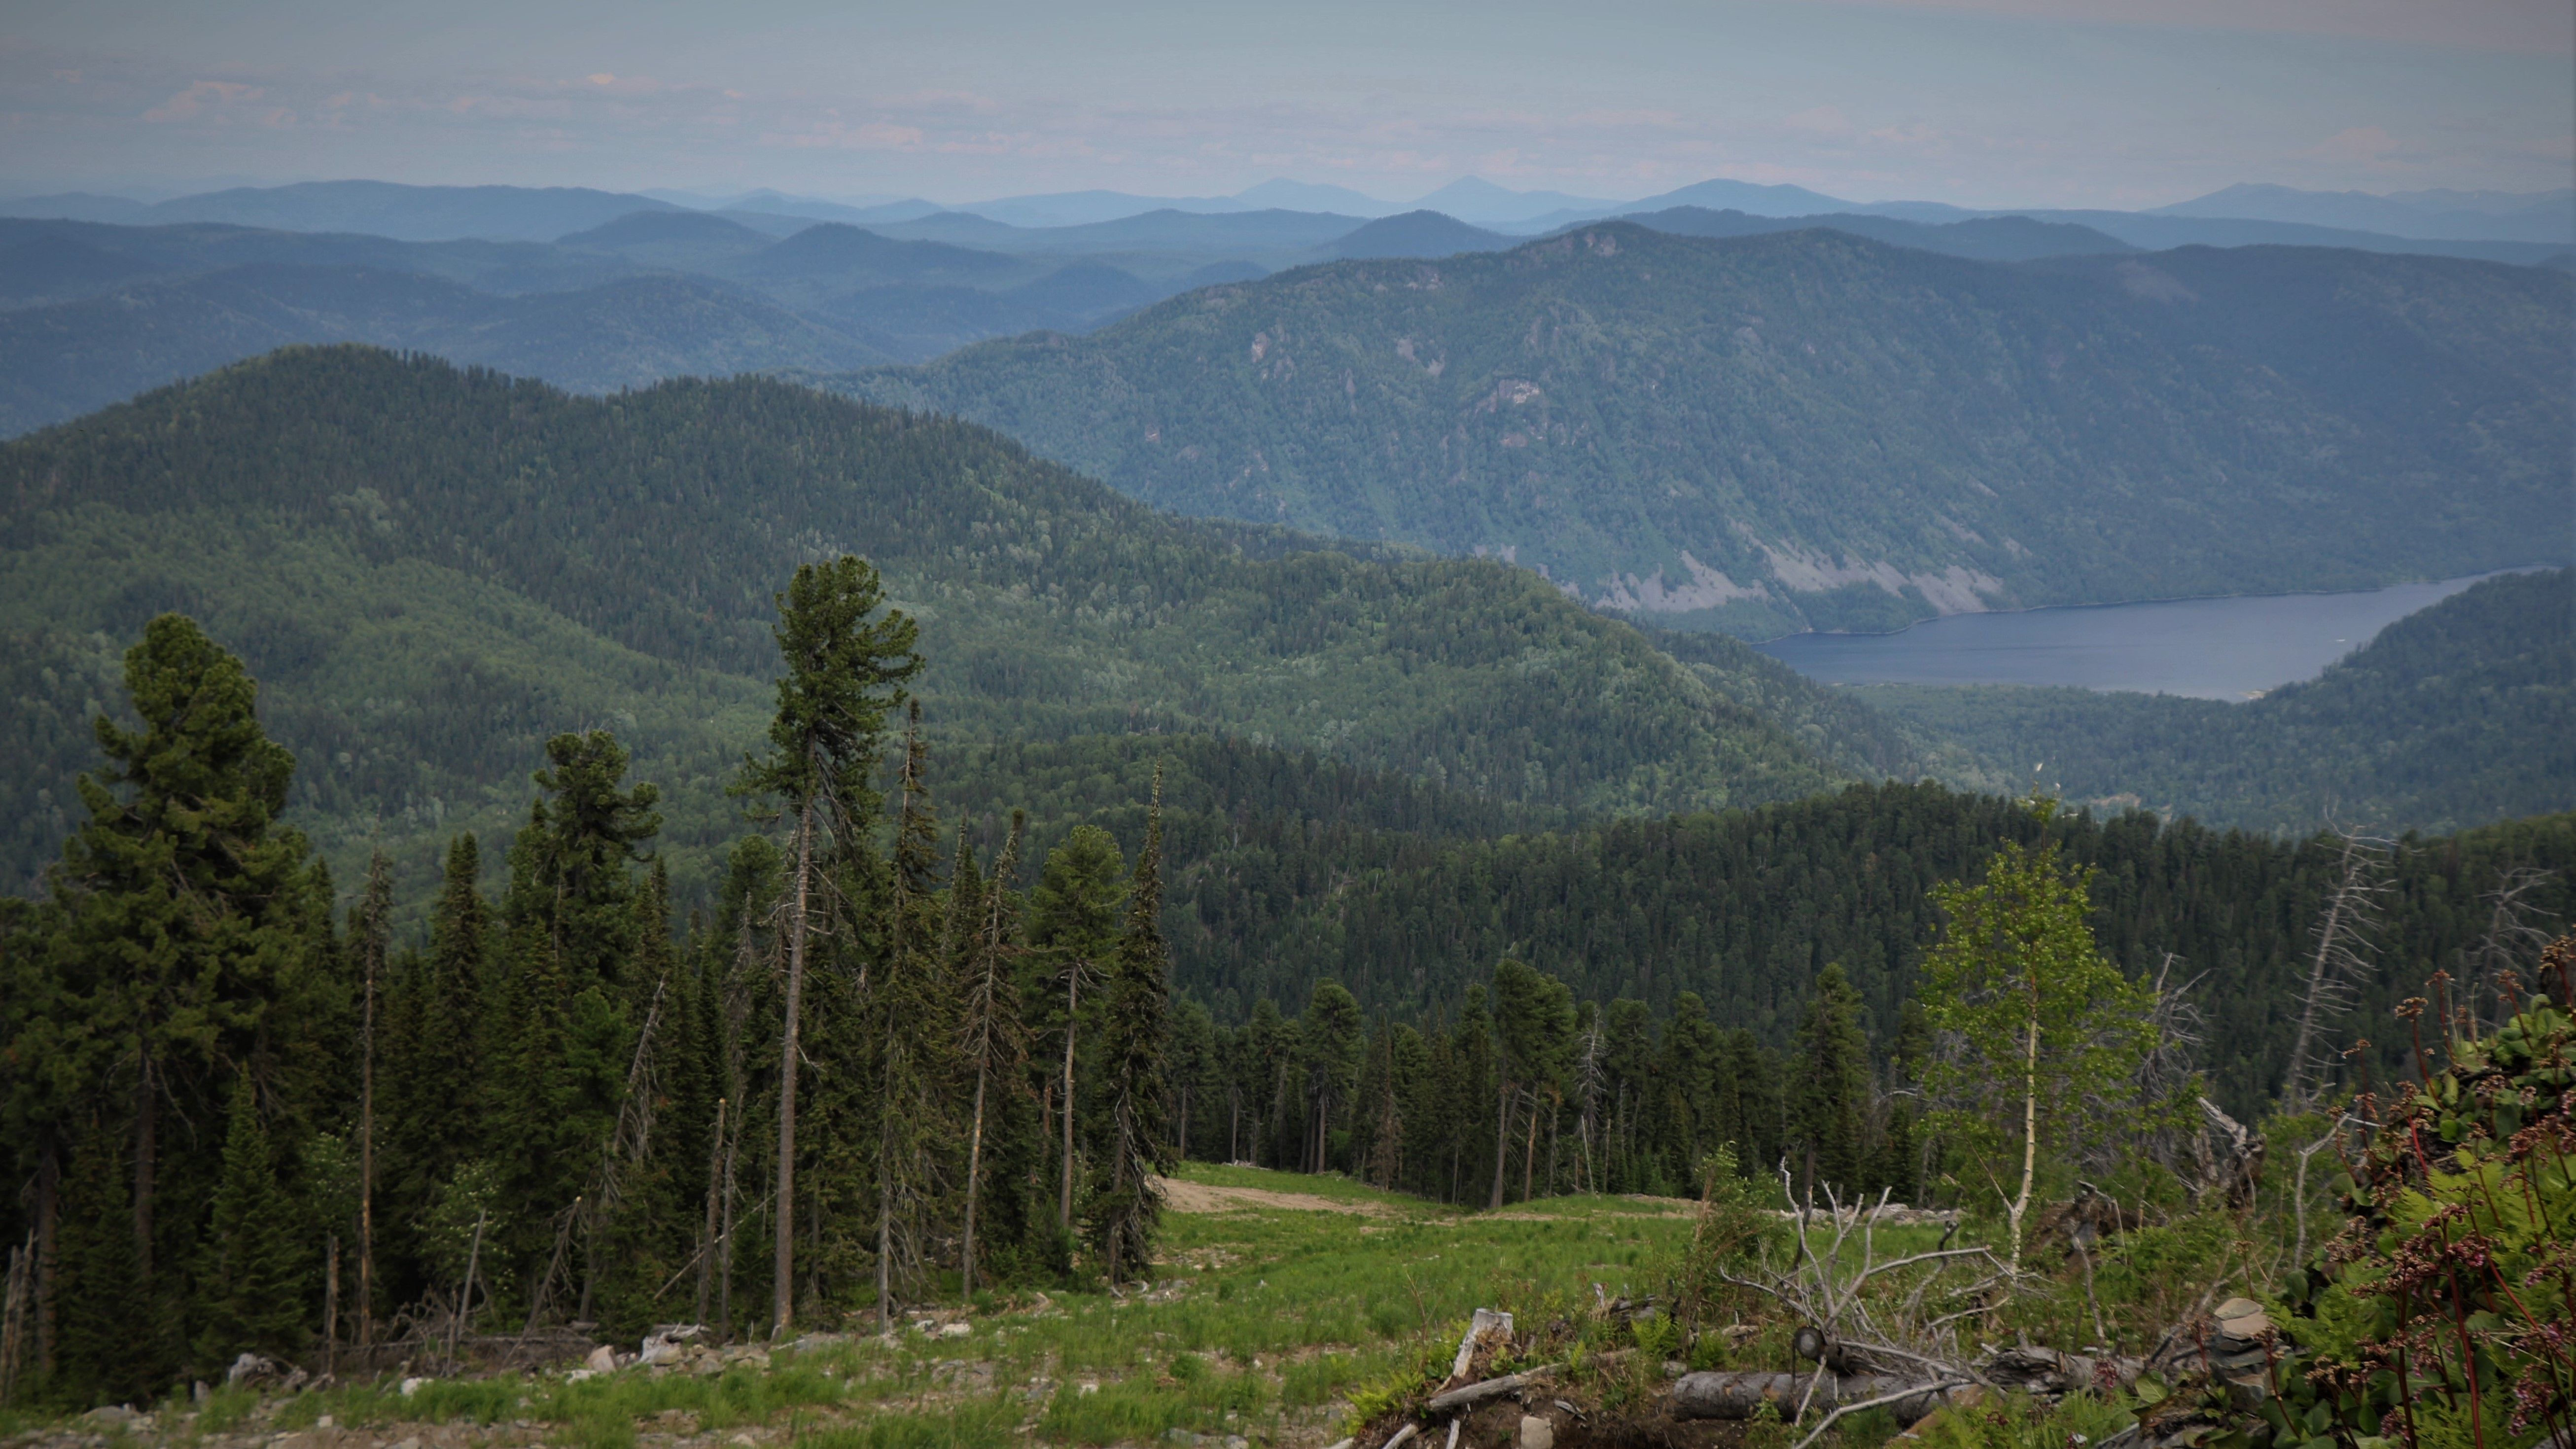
pixel 2548 216
pixel 2397 222
pixel 1809 429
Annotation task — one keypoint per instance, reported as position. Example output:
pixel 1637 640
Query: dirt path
pixel 1203 1197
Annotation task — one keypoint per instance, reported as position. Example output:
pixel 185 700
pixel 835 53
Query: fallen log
pixel 1714 1395
pixel 1457 1400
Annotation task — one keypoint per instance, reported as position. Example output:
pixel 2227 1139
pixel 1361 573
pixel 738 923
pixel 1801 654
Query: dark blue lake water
pixel 2209 648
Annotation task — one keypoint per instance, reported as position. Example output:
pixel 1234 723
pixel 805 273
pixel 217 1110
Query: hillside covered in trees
pixel 432 571
pixel 1816 430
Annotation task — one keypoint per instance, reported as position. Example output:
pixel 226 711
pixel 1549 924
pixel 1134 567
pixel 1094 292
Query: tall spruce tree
pixel 911 1024
pixel 1332 1038
pixel 1073 922
pixel 572 929
pixel 847 658
pixel 1533 1031
pixel 249 1291
pixel 1829 1098
pixel 1134 1057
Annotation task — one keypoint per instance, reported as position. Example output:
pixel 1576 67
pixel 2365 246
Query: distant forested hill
pixel 1812 429
pixel 431 570
pixel 2459 715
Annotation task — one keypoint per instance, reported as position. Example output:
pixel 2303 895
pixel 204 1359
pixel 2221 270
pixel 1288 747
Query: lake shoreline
pixel 2228 647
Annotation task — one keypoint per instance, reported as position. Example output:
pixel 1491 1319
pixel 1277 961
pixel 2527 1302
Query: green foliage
pixel 2452 717
pixel 2019 1421
pixel 1654 418
pixel 2048 1035
pixel 2442 1313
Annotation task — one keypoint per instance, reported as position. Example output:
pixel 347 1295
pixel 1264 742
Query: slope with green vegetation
pixel 1812 429
pixel 1744 909
pixel 434 570
pixel 2459 715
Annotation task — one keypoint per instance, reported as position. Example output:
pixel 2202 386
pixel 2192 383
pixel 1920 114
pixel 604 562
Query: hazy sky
pixel 1988 102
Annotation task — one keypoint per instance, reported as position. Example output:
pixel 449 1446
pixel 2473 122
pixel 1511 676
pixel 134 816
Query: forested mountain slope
pixel 1812 429
pixel 2458 715
pixel 1744 908
pixel 432 570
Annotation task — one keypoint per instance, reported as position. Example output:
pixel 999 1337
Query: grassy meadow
pixel 1281 1300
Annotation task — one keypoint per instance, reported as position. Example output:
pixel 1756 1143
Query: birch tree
pixel 2041 1029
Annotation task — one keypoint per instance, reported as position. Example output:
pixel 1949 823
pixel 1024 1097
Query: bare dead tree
pixel 994 1040
pixel 1590 1078
pixel 2170 1076
pixel 2514 935
pixel 1896 1315
pixel 2344 946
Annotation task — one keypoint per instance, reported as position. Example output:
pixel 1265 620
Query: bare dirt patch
pixel 1205 1197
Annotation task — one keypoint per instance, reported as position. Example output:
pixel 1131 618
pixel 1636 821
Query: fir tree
pixel 103 1358
pixel 1331 1037
pixel 249 1290
pixel 572 932
pixel 1134 1057
pixel 1073 921
pixel 1829 1098
pixel 912 1038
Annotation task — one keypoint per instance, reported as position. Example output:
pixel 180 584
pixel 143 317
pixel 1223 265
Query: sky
pixel 2115 103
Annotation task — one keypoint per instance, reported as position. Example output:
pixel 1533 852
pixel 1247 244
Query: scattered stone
pixel 1086 1388
pixel 956 1330
pixel 410 1442
pixel 198 1393
pixel 664 1344
pixel 113 1416
pixel 412 1386
pixel 603 1359
pixel 1537 1433
pixel 323 1423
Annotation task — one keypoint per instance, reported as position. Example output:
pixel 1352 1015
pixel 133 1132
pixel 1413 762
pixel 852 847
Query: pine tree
pixel 186 916
pixel 1134 1057
pixel 846 664
pixel 249 1289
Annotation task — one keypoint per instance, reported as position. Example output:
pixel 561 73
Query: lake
pixel 2209 648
